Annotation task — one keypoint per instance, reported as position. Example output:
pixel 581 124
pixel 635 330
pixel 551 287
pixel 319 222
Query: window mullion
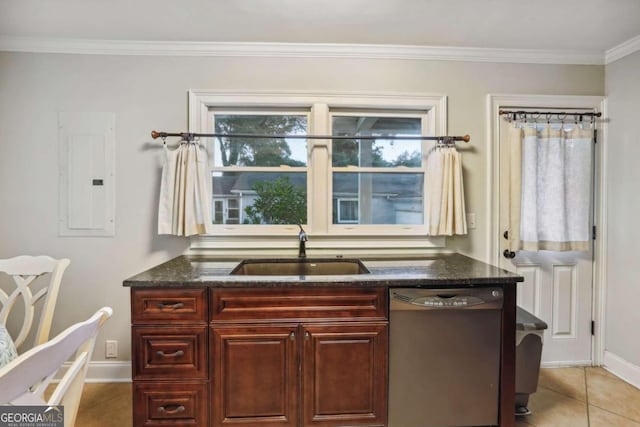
pixel 319 182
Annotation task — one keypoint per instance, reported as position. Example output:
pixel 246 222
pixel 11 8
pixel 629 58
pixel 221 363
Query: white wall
pixel 151 93
pixel 623 211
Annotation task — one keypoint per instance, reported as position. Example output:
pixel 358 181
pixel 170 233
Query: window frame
pixel 384 229
pixel 339 201
pixel 238 110
pixel 329 236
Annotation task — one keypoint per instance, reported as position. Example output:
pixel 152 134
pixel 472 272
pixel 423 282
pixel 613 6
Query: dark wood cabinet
pixel 299 357
pixel 289 357
pixel 344 374
pixel 255 370
pixel 169 355
pixel 212 350
pixel 329 375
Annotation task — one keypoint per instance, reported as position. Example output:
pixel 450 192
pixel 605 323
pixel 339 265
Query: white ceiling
pixel 585 25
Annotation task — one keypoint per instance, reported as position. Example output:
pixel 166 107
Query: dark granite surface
pixel 526 321
pixel 431 271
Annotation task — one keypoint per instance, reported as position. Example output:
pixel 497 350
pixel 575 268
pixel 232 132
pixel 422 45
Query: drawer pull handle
pixel 175 306
pixel 173 409
pixel 178 353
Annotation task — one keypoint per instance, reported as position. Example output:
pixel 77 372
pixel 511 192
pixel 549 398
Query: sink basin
pixel 299 267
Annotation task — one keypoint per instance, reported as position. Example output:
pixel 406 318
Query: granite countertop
pixel 428 271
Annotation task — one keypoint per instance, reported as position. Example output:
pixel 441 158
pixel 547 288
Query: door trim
pixel 494 103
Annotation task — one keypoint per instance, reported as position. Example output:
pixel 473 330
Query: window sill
pixel 316 246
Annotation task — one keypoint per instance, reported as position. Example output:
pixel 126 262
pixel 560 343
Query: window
pixel 366 186
pixel 225 211
pixel 347 210
pixel 383 175
pixel 262 180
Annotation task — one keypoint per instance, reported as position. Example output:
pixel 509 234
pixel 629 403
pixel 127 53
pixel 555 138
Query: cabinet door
pixel 345 375
pixel 255 376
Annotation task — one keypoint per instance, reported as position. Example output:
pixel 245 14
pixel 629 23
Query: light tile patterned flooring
pixel 582 397
pixel 566 397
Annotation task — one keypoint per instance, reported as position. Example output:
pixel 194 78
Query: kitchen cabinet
pixel 299 357
pixel 169 357
pixel 278 356
pixel 344 374
pixel 189 309
pixel 255 376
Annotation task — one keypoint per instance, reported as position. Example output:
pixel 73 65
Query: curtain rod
pixel 560 115
pixel 190 136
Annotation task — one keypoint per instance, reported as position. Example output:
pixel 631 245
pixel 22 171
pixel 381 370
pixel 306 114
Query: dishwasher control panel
pixel 412 298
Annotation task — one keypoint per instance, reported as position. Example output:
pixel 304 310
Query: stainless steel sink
pixel 299 267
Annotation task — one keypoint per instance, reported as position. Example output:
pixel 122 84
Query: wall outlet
pixel 111 349
pixel 471 220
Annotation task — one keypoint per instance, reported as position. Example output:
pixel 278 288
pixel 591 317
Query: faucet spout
pixel 302 237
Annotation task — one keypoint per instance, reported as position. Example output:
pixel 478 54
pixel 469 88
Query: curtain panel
pixel 185 192
pixel 444 192
pixel 550 188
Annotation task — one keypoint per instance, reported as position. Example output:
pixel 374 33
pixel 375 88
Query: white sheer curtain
pixel 185 192
pixel 550 188
pixel 444 192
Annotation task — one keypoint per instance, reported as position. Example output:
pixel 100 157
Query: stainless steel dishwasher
pixel 444 357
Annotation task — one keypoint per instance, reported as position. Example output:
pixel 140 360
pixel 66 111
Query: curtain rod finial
pixel 466 138
pixel 155 134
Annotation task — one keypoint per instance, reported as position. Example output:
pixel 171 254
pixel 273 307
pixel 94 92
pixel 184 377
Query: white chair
pixel 24 380
pixel 24 270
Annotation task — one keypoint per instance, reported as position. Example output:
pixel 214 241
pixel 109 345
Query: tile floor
pixel 566 397
pixel 582 397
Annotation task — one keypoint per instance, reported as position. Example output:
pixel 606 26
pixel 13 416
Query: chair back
pixel 24 270
pixel 24 380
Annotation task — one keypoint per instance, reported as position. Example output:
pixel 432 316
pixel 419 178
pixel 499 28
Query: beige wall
pixel 151 93
pixel 623 209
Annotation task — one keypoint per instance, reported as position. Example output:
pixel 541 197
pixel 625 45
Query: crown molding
pixel 623 49
pixel 297 50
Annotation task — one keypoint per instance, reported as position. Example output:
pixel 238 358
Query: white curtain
pixel 550 188
pixel 185 192
pixel 444 192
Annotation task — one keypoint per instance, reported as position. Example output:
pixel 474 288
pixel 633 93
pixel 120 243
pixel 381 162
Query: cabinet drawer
pixel 170 404
pixel 176 305
pixel 269 305
pixel 169 352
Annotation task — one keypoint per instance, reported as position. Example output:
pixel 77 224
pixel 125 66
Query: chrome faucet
pixel 302 236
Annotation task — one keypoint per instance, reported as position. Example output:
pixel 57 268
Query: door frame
pixel 598 103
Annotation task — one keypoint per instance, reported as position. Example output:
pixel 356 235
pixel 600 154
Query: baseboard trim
pixel 568 364
pixel 622 368
pixel 104 372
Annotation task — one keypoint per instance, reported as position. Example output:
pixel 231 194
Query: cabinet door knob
pixel 178 353
pixel 292 336
pixel 307 335
pixel 508 254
